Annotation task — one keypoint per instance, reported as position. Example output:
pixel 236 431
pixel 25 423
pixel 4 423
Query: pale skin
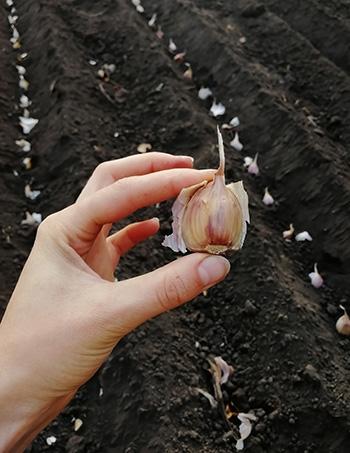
pixel 67 313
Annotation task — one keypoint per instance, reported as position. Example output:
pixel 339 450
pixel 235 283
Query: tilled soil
pixel 284 69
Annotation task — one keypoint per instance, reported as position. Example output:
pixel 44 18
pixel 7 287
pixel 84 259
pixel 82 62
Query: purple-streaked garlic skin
pixel 210 217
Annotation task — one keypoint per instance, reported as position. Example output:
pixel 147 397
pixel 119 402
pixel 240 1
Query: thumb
pixel 168 287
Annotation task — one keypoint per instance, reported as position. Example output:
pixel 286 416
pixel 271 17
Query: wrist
pixel 23 414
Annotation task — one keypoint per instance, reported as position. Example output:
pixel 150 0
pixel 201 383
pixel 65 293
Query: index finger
pixel 110 171
pixel 127 195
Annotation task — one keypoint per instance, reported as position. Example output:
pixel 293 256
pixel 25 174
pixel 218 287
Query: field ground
pixel 289 83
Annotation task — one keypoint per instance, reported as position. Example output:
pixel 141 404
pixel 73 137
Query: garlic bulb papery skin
pixel 210 216
pixel 343 323
pixel 315 277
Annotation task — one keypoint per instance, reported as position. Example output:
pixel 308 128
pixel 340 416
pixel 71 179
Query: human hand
pixel 67 312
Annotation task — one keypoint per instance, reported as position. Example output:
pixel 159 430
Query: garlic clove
pixel 236 144
pixel 12 19
pixel 175 240
pixel 159 33
pixel 172 46
pixel 304 236
pixel 31 194
pixel 204 93
pixel 27 124
pixel 188 74
pixel 268 198
pixel 24 101
pixel 24 145
pixel 144 147
pixel 343 323
pixel 179 56
pixel 210 216
pixel 288 234
pixel 23 83
pixel 32 219
pixel 23 56
pixel 217 109
pixel 315 277
pixel 152 21
pixel 235 122
pixel 51 440
pixel 27 162
pixel 78 423
pixel 253 168
pixel 247 161
pixel 21 69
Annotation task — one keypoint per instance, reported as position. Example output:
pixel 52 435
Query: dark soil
pixel 290 85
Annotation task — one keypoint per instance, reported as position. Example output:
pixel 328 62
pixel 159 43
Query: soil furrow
pixel 273 43
pixel 312 21
pixel 291 367
pixel 13 204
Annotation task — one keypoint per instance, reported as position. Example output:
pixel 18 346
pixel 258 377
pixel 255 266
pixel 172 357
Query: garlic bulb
pixel 210 216
pixel 315 277
pixel 343 323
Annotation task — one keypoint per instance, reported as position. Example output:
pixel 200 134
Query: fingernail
pixel 213 269
pixel 189 158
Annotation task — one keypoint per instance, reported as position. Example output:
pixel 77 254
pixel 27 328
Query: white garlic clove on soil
pixel 315 277
pixel 303 236
pixel 288 234
pixel 268 198
pixel 343 323
pixel 235 143
pixel 253 168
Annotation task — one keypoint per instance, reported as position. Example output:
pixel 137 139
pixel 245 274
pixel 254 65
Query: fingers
pixel 166 288
pixel 131 235
pixel 109 172
pixel 85 218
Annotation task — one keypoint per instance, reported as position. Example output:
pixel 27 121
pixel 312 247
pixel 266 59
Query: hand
pixel 67 312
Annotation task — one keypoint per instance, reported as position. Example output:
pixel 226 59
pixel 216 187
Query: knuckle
pixel 173 292
pixel 101 168
pixel 46 226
